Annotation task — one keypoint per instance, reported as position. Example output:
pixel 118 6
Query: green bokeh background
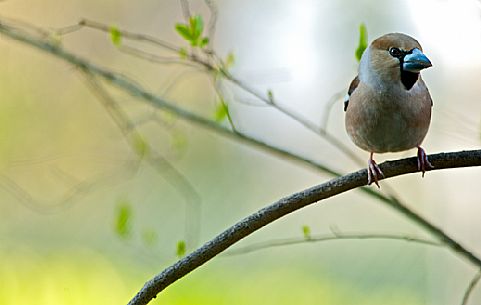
pixel 54 134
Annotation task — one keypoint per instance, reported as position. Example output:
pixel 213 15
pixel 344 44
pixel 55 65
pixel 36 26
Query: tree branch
pixel 304 198
pixel 474 281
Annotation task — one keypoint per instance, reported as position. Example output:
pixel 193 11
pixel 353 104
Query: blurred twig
pixel 328 107
pixel 77 188
pixel 154 158
pixel 86 23
pixel 472 284
pixel 328 237
pixel 212 19
pixel 184 4
pixel 153 58
pixel 272 101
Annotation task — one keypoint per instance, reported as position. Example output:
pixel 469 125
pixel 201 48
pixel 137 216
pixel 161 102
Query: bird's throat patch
pixel 408 78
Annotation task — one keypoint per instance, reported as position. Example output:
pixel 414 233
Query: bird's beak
pixel 416 61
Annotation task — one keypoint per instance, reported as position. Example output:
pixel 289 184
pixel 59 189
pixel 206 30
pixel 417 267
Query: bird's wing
pixel 427 91
pixel 352 88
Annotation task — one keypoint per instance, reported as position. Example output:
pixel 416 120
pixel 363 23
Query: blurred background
pixel 82 221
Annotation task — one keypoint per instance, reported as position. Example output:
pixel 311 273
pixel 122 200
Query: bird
pixel 388 105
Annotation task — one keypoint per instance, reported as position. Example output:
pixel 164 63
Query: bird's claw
pixel 423 162
pixel 373 173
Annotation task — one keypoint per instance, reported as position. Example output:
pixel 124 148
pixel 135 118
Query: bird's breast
pixel 388 120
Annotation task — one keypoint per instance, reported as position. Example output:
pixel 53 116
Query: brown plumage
pixel 389 106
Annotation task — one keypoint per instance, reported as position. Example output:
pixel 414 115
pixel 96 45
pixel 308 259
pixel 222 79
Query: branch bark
pixel 304 198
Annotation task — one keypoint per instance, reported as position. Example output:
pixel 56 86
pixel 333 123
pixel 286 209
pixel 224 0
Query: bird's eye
pixel 395 52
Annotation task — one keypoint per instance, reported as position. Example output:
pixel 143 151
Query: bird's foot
pixel 373 172
pixel 423 162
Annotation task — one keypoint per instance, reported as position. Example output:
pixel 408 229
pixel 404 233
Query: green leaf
pixel 179 142
pixel 115 36
pixel 204 42
pixel 306 231
pixel 221 112
pixel 184 31
pixel 270 96
pixel 183 53
pixel 196 26
pixel 149 237
pixel 169 118
pixel 141 146
pixel 123 219
pixel 362 41
pixel 181 247
pixel 229 60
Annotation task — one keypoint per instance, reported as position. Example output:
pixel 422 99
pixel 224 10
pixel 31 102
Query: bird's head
pixel 393 58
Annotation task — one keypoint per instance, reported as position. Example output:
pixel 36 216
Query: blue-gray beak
pixel 416 61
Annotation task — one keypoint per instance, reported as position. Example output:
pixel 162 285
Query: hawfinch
pixel 388 106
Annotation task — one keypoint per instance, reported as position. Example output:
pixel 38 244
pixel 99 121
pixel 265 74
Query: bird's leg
pixel 423 162
pixel 373 171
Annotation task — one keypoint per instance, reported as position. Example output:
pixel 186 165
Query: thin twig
pixel 295 116
pixel 154 158
pixel 223 102
pixel 86 23
pixel 472 284
pixel 174 80
pixel 328 237
pixel 185 9
pixel 154 58
pixel 74 192
pixel 37 31
pixel 327 109
pixel 212 20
